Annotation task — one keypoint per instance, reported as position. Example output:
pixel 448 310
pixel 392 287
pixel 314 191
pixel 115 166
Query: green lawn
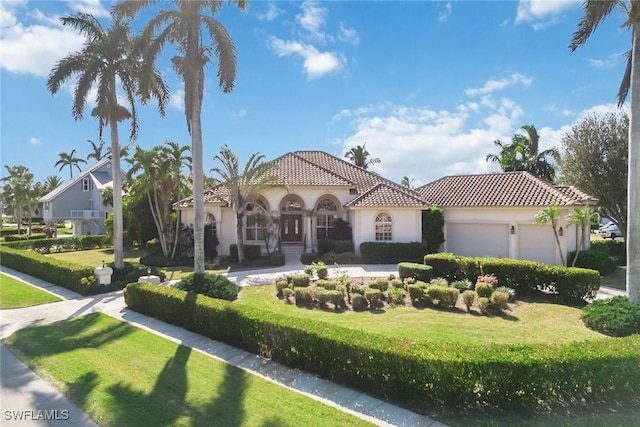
pixel 124 376
pixel 15 294
pixel 95 257
pixel 524 324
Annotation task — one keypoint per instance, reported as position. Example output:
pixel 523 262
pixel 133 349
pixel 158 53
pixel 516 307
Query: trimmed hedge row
pixel 526 277
pixel 420 272
pixel 58 272
pixel 420 375
pixel 71 243
pixel 393 252
pixel 23 237
pixel 251 252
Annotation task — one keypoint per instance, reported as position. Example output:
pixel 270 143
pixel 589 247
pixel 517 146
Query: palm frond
pixel 595 11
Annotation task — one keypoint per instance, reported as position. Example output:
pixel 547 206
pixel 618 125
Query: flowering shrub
pixel 356 288
pixel 489 279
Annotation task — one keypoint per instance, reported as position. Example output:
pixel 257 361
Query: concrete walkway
pixel 25 394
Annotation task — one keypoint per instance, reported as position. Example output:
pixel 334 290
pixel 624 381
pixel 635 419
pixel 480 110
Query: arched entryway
pixel 291 214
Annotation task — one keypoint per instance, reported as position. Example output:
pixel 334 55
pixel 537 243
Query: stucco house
pixel 79 200
pixel 376 208
pixel 493 214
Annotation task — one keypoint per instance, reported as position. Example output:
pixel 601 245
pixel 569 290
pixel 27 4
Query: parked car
pixel 610 231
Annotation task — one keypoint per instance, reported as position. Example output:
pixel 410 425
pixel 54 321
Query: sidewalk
pixel 22 390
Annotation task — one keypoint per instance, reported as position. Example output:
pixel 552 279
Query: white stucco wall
pixel 406 225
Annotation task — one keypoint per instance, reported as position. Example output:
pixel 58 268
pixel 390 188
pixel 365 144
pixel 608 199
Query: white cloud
pixel 33 49
pixel 239 114
pixel 348 35
pixel 543 13
pixel 270 14
pixel 494 85
pixel 176 99
pixel 445 13
pixel 316 63
pixel 34 141
pixel 94 7
pixel 312 18
pixel 600 63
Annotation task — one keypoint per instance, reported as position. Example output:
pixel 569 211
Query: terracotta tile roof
pixel 386 194
pixel 500 189
pixel 317 168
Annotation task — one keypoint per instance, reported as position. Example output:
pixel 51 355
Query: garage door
pixel 477 239
pixel 536 243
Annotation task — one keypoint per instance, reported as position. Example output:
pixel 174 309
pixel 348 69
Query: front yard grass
pixel 15 294
pixel 532 322
pixel 122 375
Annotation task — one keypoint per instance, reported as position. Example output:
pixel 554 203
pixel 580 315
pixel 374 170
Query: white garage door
pixel 536 243
pixel 477 239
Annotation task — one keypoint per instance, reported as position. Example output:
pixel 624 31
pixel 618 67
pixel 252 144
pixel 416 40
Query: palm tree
pixel 550 215
pixel 182 26
pixel 523 155
pixel 582 217
pixel 106 57
pixel 51 183
pixel 96 150
pixel 596 11
pixel 407 182
pixel 175 153
pixel 18 189
pixel 359 156
pixel 244 185
pixel 69 159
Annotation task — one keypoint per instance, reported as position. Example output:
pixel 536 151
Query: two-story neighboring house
pixel 79 200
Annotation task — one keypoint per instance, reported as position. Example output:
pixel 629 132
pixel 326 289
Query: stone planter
pixel 103 275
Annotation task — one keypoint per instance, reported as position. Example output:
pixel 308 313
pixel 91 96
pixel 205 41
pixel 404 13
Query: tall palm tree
pixel 183 27
pixel 551 215
pixel 244 185
pixel 596 11
pixel 523 154
pixel 359 156
pixel 69 159
pixel 18 189
pixel 583 218
pixel 175 153
pixel 51 183
pixel 106 57
pixel 96 150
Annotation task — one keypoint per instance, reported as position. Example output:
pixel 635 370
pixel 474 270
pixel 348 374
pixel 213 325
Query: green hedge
pixel 526 277
pixel 420 272
pixel 251 252
pixel 23 237
pixel 598 257
pixel 392 253
pixel 58 272
pixel 71 243
pixel 417 374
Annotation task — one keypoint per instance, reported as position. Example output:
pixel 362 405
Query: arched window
pixel 384 226
pixel 255 222
pixel 291 204
pixel 326 213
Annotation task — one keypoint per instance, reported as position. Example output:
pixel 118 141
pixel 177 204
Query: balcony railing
pixel 86 214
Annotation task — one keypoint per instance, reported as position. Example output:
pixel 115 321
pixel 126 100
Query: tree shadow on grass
pixel 227 408
pixel 80 389
pixel 164 405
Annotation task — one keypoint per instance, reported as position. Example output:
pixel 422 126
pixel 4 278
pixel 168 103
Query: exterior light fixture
pixel 513 230
pixel 561 232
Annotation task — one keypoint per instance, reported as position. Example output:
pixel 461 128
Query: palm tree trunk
pixel 633 198
pixel 240 235
pixel 117 195
pixel 198 179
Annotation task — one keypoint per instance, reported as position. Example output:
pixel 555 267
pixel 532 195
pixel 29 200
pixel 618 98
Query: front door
pixel 291 228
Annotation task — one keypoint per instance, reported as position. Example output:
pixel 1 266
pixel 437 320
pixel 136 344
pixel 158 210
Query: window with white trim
pixel 255 223
pixel 384 226
pixel 86 184
pixel 326 214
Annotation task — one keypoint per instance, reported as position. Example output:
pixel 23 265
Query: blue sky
pixel 427 85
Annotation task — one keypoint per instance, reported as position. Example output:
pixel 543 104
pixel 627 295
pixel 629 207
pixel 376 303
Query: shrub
pixel 500 300
pixel 511 293
pixel 614 316
pixel 327 284
pixel 442 295
pixel 359 302
pixel 303 296
pixel 21 237
pixel 342 246
pixel 484 304
pixel 326 245
pixel 281 284
pixel 211 285
pixel 468 297
pixel 397 284
pixel 596 258
pixel 300 280
pixel 308 258
pixel 395 296
pixel 336 298
pixel 251 252
pixel 277 259
pixel 380 283
pixel 356 288
pixel 484 290
pixel 374 296
pixel 346 258
pixel 432 228
pixel 416 293
pixel 439 281
pixel 309 270
pixel 489 279
pixel 321 270
pixel 462 285
pixel 389 253
pixel 286 293
pixel 322 296
pixel 415 270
